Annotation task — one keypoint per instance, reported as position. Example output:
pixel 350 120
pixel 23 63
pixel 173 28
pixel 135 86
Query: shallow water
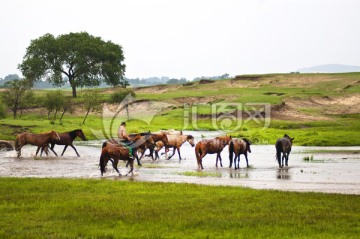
pixel 333 170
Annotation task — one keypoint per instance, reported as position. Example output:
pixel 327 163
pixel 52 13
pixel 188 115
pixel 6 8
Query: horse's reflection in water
pixel 283 173
pixel 239 174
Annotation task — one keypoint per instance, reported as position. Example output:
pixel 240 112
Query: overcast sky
pixel 191 38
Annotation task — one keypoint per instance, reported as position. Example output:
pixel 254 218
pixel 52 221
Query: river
pixel 332 170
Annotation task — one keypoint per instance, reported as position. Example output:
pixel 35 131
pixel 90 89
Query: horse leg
pixel 200 165
pixel 230 159
pixel 134 154
pixel 37 151
pixel 64 150
pixel 286 159
pixel 156 154
pixel 72 146
pixel 220 159
pixel 114 164
pixel 238 161
pixel 52 149
pixel 283 159
pixel 247 163
pixel 178 149
pixel 131 162
pixel 172 154
pixel 19 151
pixel 151 154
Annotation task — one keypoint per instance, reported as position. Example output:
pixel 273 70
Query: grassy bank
pixel 68 208
pixel 316 109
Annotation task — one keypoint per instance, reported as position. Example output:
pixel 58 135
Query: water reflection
pixel 283 173
pixel 239 174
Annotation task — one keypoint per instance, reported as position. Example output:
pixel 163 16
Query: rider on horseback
pixel 124 138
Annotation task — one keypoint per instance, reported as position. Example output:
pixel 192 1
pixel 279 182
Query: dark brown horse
pixel 158 137
pixel 114 153
pixel 210 146
pixel 40 140
pixel 237 147
pixel 67 139
pixel 147 142
pixel 283 145
pixel 175 141
pixel 136 141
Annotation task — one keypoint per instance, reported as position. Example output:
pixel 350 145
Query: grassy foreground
pixel 69 208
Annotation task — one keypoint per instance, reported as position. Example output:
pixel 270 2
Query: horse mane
pixel 246 140
pixel 73 133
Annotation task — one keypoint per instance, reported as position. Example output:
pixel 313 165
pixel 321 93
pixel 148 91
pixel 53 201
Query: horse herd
pixel 113 150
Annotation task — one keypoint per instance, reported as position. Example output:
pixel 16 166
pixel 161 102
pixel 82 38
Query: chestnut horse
pixel 210 146
pixel 40 140
pixel 67 139
pixel 237 147
pixel 283 145
pixel 157 137
pixel 175 141
pixel 146 142
pixel 113 153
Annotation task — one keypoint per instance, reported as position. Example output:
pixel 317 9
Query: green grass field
pixel 69 208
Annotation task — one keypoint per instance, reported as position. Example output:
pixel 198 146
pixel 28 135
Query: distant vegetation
pixel 316 109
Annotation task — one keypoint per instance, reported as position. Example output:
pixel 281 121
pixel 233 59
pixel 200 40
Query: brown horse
pixel 136 141
pixel 283 145
pixel 162 139
pixel 175 141
pixel 67 139
pixel 40 140
pixel 114 153
pixel 237 147
pixel 147 143
pixel 210 146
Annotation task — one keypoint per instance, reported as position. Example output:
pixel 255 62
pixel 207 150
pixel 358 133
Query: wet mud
pixel 330 170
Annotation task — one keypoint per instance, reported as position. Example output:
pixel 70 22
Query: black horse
pixel 66 139
pixel 283 145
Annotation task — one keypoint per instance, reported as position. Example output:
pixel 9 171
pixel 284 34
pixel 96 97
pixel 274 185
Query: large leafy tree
pixel 80 58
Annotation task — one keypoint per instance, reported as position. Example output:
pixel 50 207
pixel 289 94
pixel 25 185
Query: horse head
pixel 289 138
pixel 80 134
pixel 248 143
pixel 54 135
pixel 164 139
pixel 191 140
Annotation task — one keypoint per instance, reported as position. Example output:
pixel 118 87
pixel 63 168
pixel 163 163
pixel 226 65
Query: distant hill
pixel 330 68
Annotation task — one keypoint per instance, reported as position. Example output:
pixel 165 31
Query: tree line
pixel 19 96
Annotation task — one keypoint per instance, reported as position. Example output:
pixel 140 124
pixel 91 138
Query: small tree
pixel 15 96
pixel 92 103
pixel 66 107
pixel 118 97
pixel 29 100
pixel 54 101
pixel 2 111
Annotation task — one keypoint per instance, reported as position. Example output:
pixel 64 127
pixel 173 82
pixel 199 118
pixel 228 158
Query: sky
pixel 193 38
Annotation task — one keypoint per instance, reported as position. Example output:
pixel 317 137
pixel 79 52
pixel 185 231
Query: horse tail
pixel 102 162
pixel 198 151
pixel 231 152
pixel 278 147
